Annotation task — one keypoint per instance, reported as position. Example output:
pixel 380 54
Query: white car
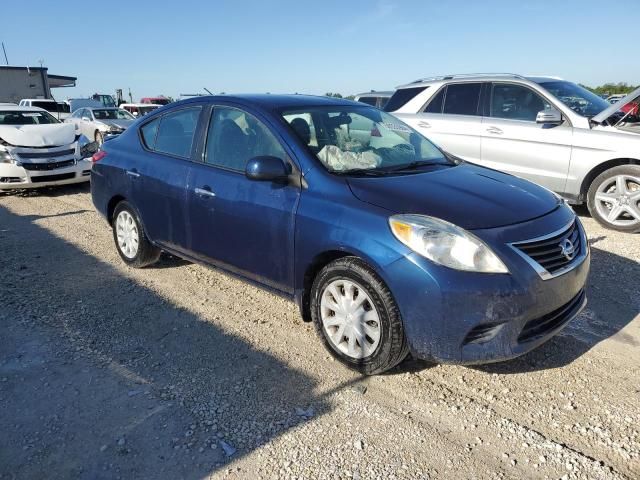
pixel 97 123
pixel 60 110
pixel 36 150
pixel 545 129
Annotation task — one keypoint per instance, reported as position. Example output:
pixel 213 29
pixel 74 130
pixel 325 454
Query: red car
pixel 156 100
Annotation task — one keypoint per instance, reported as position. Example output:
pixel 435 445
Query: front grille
pixel 52 178
pixel 556 252
pixel 551 321
pixel 48 165
pixel 47 154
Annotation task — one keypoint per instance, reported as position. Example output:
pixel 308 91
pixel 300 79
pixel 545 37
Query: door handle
pixel 204 192
pixel 494 130
pixel 424 124
pixel 133 173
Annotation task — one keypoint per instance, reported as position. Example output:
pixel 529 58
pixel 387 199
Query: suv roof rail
pixel 467 75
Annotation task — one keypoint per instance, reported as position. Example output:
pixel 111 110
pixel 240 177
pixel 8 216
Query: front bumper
pixel 17 177
pixel 464 318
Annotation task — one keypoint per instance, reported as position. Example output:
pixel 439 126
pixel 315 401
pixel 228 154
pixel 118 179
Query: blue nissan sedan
pixel 387 244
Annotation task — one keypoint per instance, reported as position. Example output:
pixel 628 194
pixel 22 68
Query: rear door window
pixel 176 131
pixel 462 99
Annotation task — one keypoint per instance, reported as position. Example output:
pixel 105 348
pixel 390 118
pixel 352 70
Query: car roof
pixel 374 94
pixel 18 108
pixel 484 77
pixel 269 101
pixel 37 100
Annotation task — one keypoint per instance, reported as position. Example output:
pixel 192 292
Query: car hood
pixel 466 195
pixel 52 135
pixel 614 107
pixel 117 123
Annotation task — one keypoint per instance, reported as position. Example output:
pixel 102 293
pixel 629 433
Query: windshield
pixel 363 139
pixel 577 98
pixel 112 114
pixel 26 118
pixel 106 100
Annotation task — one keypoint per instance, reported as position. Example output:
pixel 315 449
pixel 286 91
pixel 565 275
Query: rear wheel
pixel 614 198
pixel 131 241
pixel 357 318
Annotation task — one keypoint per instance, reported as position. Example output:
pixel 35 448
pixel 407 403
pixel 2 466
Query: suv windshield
pixel 362 139
pixel 20 117
pixel 577 98
pixel 112 114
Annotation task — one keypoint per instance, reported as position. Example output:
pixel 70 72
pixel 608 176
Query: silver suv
pixel 545 129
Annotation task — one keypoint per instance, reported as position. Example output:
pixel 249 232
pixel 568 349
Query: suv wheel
pixel 357 318
pixel 614 198
pixel 131 241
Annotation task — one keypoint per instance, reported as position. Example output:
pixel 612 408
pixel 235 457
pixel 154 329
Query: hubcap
pixel 618 200
pixel 349 318
pixel 127 234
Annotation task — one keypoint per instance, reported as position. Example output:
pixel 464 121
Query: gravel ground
pixel 181 371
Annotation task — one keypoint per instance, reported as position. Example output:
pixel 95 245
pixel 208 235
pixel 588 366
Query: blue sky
pixel 315 47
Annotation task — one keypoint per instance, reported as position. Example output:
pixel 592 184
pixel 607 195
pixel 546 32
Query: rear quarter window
pixel 148 133
pixel 401 97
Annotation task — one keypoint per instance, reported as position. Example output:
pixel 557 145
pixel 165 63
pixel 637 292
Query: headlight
pixel 86 147
pixel 6 157
pixel 445 244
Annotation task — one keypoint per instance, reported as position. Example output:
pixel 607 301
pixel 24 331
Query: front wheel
pixel 131 241
pixel 614 198
pixel 357 318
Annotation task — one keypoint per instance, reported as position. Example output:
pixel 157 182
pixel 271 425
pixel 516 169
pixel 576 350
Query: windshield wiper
pixel 370 172
pixel 414 165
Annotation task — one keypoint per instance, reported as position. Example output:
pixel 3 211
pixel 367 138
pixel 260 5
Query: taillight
pixel 99 155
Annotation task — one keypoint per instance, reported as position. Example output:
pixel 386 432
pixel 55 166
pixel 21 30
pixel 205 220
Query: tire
pixel 133 245
pixel 99 138
pixel 354 281
pixel 620 185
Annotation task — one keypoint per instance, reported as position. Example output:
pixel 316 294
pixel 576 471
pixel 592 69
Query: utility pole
pixel 5 54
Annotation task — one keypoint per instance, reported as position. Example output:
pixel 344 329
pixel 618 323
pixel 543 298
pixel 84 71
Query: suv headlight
pixel 445 244
pixel 6 157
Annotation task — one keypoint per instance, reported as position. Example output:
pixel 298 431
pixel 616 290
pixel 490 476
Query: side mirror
pixel 85 119
pixel 267 168
pixel 549 117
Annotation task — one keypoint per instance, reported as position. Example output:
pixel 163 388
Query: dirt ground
pixel 181 371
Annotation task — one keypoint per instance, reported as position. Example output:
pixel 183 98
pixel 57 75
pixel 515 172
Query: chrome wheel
pixel 617 200
pixel 349 318
pixel 127 234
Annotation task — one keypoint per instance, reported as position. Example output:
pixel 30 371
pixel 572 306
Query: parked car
pixel 388 249
pixel 139 109
pixel 155 100
pixel 105 99
pixel 616 97
pixel 60 110
pixel 96 123
pixel 78 103
pixel 36 150
pixel 547 130
pixel 373 98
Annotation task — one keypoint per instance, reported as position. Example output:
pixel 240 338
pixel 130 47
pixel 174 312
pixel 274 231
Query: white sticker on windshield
pixel 31 114
pixel 396 127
